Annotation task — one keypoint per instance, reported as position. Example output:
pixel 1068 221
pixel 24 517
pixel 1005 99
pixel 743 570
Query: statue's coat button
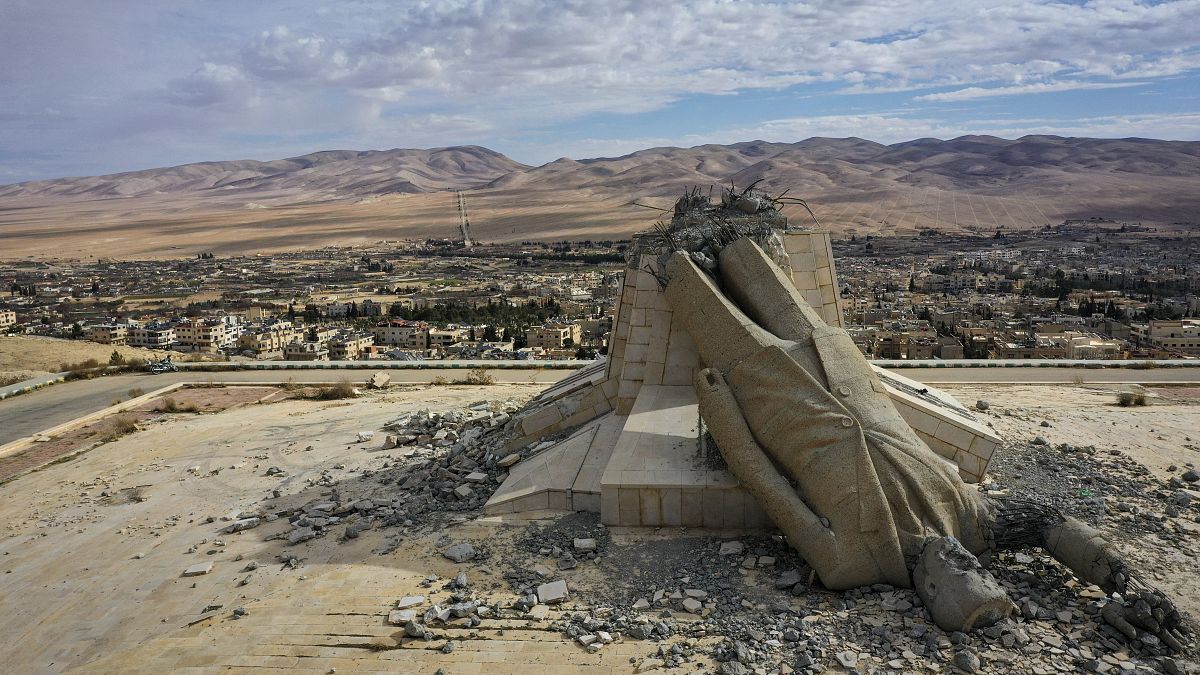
pixel 847 422
pixel 844 390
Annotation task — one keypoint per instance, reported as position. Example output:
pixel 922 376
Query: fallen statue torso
pixel 811 432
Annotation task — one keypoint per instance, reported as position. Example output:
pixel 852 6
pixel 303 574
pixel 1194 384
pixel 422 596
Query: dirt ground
pixel 96 548
pixel 1163 433
pixel 80 439
pixel 24 357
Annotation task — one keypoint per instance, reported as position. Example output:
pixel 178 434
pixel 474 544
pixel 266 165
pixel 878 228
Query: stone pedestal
pixel 637 453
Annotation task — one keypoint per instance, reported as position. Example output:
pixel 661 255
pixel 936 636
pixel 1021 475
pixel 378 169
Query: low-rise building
pixel 152 336
pixel 441 338
pixel 108 334
pixel 552 335
pixel 305 351
pixel 7 318
pixel 206 335
pixel 268 340
pixel 350 346
pixel 1180 335
pixel 409 335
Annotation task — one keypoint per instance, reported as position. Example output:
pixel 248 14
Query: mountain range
pixel 971 183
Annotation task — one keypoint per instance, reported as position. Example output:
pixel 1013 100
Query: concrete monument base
pixel 629 439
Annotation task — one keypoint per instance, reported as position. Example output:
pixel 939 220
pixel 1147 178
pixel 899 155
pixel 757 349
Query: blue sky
pixel 92 87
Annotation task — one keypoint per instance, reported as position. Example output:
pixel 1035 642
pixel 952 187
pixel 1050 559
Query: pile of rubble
pixel 752 605
pixel 437 464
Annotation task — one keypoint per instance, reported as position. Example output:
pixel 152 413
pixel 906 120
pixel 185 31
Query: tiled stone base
pixel 944 424
pixel 564 477
pixel 658 475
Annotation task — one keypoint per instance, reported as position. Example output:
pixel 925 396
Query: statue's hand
pixel 1145 613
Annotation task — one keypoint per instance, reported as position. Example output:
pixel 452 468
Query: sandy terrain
pixel 182 226
pixel 95 548
pixel 1164 433
pixel 971 184
pixel 27 356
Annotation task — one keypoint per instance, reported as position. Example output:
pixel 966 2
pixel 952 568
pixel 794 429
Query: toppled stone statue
pixel 810 431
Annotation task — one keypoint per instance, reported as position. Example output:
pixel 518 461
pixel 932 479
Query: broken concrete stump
pixel 959 594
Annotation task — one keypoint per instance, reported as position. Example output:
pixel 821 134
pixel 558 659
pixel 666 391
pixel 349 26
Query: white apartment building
pixel 152 336
pixel 444 337
pixel 552 336
pixel 405 334
pixel 108 334
pixel 7 318
pixel 207 335
pixel 1182 335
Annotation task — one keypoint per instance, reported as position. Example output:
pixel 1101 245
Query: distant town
pixel 1079 290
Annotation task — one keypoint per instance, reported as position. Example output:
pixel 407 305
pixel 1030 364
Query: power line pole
pixel 464 223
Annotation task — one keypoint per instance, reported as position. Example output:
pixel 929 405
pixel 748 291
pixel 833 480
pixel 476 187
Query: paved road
pixel 1038 375
pixel 30 413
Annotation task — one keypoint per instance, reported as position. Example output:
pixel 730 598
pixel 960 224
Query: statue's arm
pixel 1142 609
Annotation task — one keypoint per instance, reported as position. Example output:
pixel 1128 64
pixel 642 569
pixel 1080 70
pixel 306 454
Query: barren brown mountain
pixel 972 183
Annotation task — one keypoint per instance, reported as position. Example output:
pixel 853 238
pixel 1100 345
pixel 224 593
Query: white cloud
pixel 167 81
pixel 1022 89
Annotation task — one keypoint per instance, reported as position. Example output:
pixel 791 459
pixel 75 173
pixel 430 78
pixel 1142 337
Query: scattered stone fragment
pixel 847 659
pixel 509 460
pixel 410 601
pixel 300 534
pixel 459 553
pixel 198 569
pixel 649 664
pixel 242 524
pixel 553 592
pixel 585 545
pixel 966 660
pixel 982 405
pixel 538 612
pixel 732 548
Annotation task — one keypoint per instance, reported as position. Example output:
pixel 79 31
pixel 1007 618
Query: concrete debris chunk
pixel 415 630
pixel 243 524
pixel 732 548
pixel 538 612
pixel 459 553
pixel 552 592
pixel 380 380
pixel 199 569
pixel 585 545
pixel 509 460
pixel 300 534
pixel 400 617
pixel 410 601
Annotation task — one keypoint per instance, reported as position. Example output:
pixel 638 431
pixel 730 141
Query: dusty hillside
pixel 973 183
